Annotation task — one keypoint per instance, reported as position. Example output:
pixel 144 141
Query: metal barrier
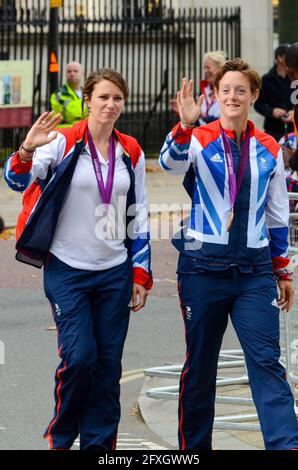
pixel 289 334
pixel 232 359
pixel 235 359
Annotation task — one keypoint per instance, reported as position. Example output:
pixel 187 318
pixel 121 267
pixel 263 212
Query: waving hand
pixel 189 110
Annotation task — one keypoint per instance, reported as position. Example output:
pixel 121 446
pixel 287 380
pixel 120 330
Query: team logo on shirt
pixel 263 163
pixel 216 158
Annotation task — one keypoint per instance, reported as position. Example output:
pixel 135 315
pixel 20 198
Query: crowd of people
pixel 233 253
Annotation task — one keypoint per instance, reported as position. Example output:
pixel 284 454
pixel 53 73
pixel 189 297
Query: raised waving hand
pixel 38 135
pixel 189 110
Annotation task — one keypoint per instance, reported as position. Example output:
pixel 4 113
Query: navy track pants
pixel 91 312
pixel 207 298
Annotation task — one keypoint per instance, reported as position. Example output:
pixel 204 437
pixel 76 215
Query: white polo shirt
pixel 86 237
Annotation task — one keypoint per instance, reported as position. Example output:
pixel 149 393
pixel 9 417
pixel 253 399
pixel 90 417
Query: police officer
pixel 67 100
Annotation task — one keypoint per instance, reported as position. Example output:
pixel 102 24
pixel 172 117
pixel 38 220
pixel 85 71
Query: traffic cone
pixel 54 66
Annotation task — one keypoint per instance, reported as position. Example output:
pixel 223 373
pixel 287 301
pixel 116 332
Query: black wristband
pixel 27 150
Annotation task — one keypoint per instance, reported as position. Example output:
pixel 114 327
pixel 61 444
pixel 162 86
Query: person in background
pixel 291 150
pixel 209 106
pixel 274 102
pixel 288 145
pixel 233 253
pixel 291 60
pixel 68 99
pixel 289 141
pixel 87 223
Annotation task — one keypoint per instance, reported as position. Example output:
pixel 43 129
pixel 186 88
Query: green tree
pixel 288 21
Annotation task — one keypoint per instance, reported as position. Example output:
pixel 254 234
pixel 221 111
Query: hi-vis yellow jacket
pixel 66 102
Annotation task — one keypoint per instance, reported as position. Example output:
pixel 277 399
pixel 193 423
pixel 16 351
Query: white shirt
pixel 211 103
pixel 85 237
pixel 79 93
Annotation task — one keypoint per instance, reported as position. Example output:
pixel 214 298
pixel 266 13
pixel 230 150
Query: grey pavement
pixel 159 415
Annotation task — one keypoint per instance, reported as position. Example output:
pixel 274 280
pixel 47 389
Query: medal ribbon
pixel 235 183
pixel 104 190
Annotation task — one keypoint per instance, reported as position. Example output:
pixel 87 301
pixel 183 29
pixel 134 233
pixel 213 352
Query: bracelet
pixel 285 277
pixel 27 150
pixel 23 159
pixel 283 274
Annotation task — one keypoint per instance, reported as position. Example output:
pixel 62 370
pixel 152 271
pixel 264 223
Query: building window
pixel 275 4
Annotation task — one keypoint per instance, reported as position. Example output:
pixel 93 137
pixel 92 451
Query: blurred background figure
pixel 67 100
pixel 213 61
pixel 288 144
pixel 291 61
pixel 274 102
pixel 290 151
pixel 210 110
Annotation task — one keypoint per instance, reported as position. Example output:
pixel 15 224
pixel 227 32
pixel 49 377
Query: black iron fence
pixel 152 44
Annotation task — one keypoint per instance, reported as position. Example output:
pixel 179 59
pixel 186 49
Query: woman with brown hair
pixel 85 220
pixel 232 253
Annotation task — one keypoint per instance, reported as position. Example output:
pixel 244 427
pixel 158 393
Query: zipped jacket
pixel 260 228
pixel 46 181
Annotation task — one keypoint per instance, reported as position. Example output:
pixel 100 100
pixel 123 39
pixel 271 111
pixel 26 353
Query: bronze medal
pixel 230 220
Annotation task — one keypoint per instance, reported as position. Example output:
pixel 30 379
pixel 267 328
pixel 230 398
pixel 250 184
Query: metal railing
pixel 152 45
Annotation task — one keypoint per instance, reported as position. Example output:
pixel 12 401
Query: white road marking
pixel 130 443
pixel 131 375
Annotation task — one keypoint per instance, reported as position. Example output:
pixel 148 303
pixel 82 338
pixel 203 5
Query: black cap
pixel 281 50
pixel 291 56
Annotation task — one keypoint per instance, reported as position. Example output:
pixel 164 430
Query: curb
pixel 161 416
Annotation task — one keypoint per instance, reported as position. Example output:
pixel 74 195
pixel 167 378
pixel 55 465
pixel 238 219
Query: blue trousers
pixel 207 298
pixel 91 312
